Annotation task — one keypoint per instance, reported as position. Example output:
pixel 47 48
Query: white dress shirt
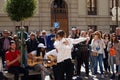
pixel 64 51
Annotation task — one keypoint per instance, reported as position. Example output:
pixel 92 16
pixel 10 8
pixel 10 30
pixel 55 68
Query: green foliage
pixel 19 10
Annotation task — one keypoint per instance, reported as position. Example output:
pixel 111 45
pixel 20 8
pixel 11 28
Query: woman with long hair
pixel 83 56
pixel 106 39
pixel 98 46
pixel 112 53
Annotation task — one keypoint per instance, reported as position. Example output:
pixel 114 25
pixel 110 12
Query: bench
pixel 11 76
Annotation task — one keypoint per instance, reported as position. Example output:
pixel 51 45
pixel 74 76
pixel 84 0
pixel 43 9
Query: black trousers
pixel 54 68
pixel 65 70
pixel 83 57
pixel 16 70
pixel 106 65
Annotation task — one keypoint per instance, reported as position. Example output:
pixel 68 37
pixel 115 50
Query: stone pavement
pixel 91 77
pixel 95 77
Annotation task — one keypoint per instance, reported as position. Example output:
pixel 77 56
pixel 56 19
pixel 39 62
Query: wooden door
pixel 60 14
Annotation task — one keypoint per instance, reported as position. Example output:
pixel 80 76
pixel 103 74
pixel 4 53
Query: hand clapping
pixel 66 42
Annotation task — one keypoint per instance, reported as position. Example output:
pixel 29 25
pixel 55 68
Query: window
pixel 92 7
pixel 112 4
pixel 93 27
pixel 112 28
pixel 59 3
pixel 59 6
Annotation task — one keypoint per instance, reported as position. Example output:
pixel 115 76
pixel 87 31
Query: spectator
pixel 74 33
pixel 118 32
pixel 25 35
pixel 44 36
pixel 12 57
pixel 32 43
pixel 118 37
pixel 41 50
pixel 51 39
pixel 4 44
pixel 117 50
pixel 90 35
pixel 17 42
pixel 98 46
pixel 41 40
pixel 90 32
pixel 78 31
pixel 83 56
pixel 75 49
pixel 106 39
pixel 112 53
pixel 75 46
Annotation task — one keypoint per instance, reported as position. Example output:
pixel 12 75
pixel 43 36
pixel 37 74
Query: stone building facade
pixel 77 15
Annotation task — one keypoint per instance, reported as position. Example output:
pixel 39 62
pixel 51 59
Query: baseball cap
pixel 41 45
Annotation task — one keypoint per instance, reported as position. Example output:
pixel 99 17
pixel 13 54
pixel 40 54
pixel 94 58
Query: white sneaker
pixel 47 78
pixel 102 76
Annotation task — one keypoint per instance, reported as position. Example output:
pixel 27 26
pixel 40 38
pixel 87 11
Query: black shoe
pixel 113 76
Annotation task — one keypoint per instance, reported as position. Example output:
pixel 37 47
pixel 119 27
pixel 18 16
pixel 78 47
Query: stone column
pixel 82 7
pixel 103 7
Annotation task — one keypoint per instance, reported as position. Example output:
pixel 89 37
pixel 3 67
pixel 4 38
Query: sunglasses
pixel 96 34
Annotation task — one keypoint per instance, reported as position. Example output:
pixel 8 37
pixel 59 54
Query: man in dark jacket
pixel 51 40
pixel 4 44
pixel 39 38
pixel 32 43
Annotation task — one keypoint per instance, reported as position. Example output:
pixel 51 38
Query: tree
pixel 19 10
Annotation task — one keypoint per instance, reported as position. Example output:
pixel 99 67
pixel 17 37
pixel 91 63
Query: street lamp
pixel 22 45
pixel 22 36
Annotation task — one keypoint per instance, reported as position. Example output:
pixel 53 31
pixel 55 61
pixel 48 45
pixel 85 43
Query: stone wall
pixel 77 12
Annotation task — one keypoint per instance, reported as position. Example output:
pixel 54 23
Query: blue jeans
pixel 112 62
pixel 99 59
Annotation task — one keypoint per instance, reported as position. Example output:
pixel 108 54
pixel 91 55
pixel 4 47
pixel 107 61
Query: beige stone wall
pixel 103 20
pixel 77 16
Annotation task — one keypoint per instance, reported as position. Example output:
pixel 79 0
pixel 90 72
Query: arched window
pixel 59 7
pixel 59 3
pixel 92 7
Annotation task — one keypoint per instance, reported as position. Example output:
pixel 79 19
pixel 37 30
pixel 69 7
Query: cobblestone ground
pixel 96 77
pixel 91 77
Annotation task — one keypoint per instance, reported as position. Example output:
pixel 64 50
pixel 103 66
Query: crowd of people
pixel 80 47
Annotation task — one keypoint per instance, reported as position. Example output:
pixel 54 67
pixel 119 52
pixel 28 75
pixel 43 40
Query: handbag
pixel 94 54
